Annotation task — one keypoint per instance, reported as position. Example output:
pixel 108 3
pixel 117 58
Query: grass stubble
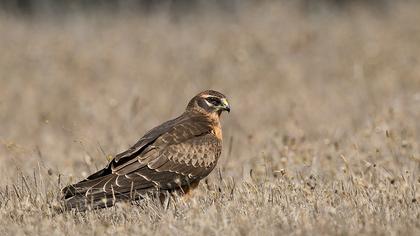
pixel 323 137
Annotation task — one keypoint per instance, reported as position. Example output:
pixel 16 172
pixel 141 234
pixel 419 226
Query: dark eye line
pixel 213 100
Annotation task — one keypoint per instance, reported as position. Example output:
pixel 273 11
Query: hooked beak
pixel 225 105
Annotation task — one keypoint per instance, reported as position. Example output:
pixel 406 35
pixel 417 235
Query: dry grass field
pixel 323 137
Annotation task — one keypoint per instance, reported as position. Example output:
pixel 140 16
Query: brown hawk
pixel 173 156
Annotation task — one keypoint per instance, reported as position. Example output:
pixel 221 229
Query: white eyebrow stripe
pixel 210 96
pixel 208 103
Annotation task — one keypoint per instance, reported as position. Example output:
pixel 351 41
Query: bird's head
pixel 209 102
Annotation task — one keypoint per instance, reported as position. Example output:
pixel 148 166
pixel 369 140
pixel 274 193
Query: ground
pixel 323 137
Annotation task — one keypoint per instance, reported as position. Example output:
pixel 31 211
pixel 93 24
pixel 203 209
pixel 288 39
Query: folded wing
pixel 173 155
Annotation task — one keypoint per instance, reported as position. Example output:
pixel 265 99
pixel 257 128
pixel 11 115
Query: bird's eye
pixel 214 101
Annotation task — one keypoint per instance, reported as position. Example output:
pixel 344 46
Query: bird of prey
pixel 173 156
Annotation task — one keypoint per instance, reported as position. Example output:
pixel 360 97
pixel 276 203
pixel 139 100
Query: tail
pixel 93 193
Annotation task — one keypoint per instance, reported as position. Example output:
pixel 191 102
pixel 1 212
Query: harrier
pixel 173 156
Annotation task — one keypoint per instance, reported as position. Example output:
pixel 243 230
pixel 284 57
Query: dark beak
pixel 226 106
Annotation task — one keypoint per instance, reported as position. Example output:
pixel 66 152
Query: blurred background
pixel 309 82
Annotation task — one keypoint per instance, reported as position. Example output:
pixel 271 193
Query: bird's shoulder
pixel 193 127
pixel 185 127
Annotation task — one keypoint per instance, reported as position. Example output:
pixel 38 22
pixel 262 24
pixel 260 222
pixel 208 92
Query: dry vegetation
pixel 323 137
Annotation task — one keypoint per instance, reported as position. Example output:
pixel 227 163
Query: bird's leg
pixel 165 199
pixel 188 190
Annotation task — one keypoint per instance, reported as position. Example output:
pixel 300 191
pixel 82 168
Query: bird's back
pixel 176 154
